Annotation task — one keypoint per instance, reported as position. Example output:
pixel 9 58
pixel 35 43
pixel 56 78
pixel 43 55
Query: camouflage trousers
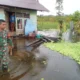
pixel 4 59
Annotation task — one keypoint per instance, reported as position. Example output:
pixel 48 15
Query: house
pixel 16 13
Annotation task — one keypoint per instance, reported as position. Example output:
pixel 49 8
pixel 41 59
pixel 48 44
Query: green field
pixel 50 22
pixel 47 25
pixel 68 49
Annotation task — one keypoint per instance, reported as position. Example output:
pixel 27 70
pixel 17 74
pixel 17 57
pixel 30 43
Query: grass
pixel 68 49
pixel 47 25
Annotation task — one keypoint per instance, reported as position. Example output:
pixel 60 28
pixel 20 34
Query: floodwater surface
pixel 41 64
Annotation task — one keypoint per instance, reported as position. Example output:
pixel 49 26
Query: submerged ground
pixel 41 64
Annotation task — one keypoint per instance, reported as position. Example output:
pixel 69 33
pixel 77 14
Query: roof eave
pixel 40 8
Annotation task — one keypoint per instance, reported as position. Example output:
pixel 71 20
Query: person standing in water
pixel 5 41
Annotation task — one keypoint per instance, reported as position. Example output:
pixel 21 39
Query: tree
pixel 68 18
pixel 59 7
pixel 76 16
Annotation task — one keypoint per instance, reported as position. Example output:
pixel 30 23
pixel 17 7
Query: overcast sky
pixel 69 6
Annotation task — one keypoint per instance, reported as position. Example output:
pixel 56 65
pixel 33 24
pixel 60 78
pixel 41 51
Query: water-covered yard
pixel 41 64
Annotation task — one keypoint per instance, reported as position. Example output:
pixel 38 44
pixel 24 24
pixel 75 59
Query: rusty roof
pixel 27 4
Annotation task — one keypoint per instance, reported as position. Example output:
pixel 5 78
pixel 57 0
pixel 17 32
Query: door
pixel 20 25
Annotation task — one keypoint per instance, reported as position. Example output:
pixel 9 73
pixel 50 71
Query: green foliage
pixel 76 16
pixel 68 49
pixel 47 22
pixel 51 22
pixel 68 18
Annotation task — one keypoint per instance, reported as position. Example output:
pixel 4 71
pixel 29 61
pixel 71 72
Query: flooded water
pixel 41 64
pixel 50 33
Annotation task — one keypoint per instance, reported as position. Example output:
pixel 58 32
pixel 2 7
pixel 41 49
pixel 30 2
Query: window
pixel 26 15
pixel 19 15
pixel 23 15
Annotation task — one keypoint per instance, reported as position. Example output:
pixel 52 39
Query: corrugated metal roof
pixel 28 4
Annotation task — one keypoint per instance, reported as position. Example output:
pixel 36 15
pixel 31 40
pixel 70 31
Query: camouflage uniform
pixel 4 41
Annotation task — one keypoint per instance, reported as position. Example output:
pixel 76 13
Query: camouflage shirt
pixel 4 42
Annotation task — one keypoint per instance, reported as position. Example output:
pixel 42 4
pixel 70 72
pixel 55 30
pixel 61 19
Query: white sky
pixel 69 6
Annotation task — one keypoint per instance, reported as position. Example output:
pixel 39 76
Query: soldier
pixel 5 41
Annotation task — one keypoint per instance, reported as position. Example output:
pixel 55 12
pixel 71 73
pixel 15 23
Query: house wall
pixel 33 17
pixel 33 14
pixel 7 19
pixel 2 14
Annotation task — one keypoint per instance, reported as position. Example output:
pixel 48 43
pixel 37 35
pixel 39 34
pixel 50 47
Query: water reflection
pixel 23 62
pixel 41 63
